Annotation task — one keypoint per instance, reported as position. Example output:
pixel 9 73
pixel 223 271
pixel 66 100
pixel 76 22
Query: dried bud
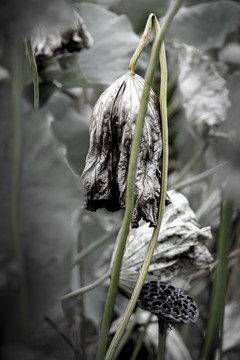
pixel 111 134
pixel 169 303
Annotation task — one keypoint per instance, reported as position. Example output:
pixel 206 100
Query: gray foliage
pixel 203 90
pixel 206 25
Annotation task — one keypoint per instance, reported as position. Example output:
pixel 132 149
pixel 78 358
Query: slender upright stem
pixel 130 200
pixel 163 106
pixel 162 335
pixel 116 267
pixel 17 88
pixel 220 282
pixel 141 339
pixel 35 74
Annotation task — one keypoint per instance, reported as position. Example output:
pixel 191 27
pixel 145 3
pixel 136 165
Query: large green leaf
pixel 205 25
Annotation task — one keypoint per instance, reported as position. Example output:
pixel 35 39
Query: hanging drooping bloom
pixel 111 133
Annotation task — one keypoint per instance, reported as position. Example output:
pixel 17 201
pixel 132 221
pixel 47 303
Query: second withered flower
pixel 112 126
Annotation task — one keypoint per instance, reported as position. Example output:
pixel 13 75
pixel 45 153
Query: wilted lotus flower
pixel 180 251
pixel 111 134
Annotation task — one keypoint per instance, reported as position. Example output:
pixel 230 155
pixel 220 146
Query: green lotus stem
pixel 117 262
pixel 141 339
pixel 116 266
pixel 162 335
pixel 35 75
pixel 17 88
pixel 157 46
pixel 86 288
pixel 126 336
pixel 93 246
pixel 220 282
pixel 143 42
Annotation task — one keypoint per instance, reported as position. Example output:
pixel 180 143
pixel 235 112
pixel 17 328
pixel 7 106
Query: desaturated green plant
pixel 44 250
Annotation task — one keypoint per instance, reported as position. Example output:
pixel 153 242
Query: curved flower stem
pixel 35 74
pixel 162 334
pixel 93 246
pixel 158 44
pixel 86 288
pixel 116 266
pixel 144 39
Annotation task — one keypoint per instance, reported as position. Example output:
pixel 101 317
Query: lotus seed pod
pixel 168 303
pixel 112 126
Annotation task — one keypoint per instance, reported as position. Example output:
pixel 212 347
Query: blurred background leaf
pixel 138 11
pixel 206 25
pixel 108 57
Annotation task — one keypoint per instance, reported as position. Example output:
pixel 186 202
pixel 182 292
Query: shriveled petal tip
pixel 111 134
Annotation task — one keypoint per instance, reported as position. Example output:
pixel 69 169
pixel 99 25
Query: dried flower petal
pixel 111 134
pixel 169 303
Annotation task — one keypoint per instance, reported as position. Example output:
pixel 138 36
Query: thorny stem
pixel 93 246
pixel 163 106
pixel 220 282
pixel 17 87
pixel 162 335
pixel 35 74
pixel 86 288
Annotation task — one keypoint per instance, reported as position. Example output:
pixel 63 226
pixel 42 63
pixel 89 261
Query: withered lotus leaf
pixel 112 126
